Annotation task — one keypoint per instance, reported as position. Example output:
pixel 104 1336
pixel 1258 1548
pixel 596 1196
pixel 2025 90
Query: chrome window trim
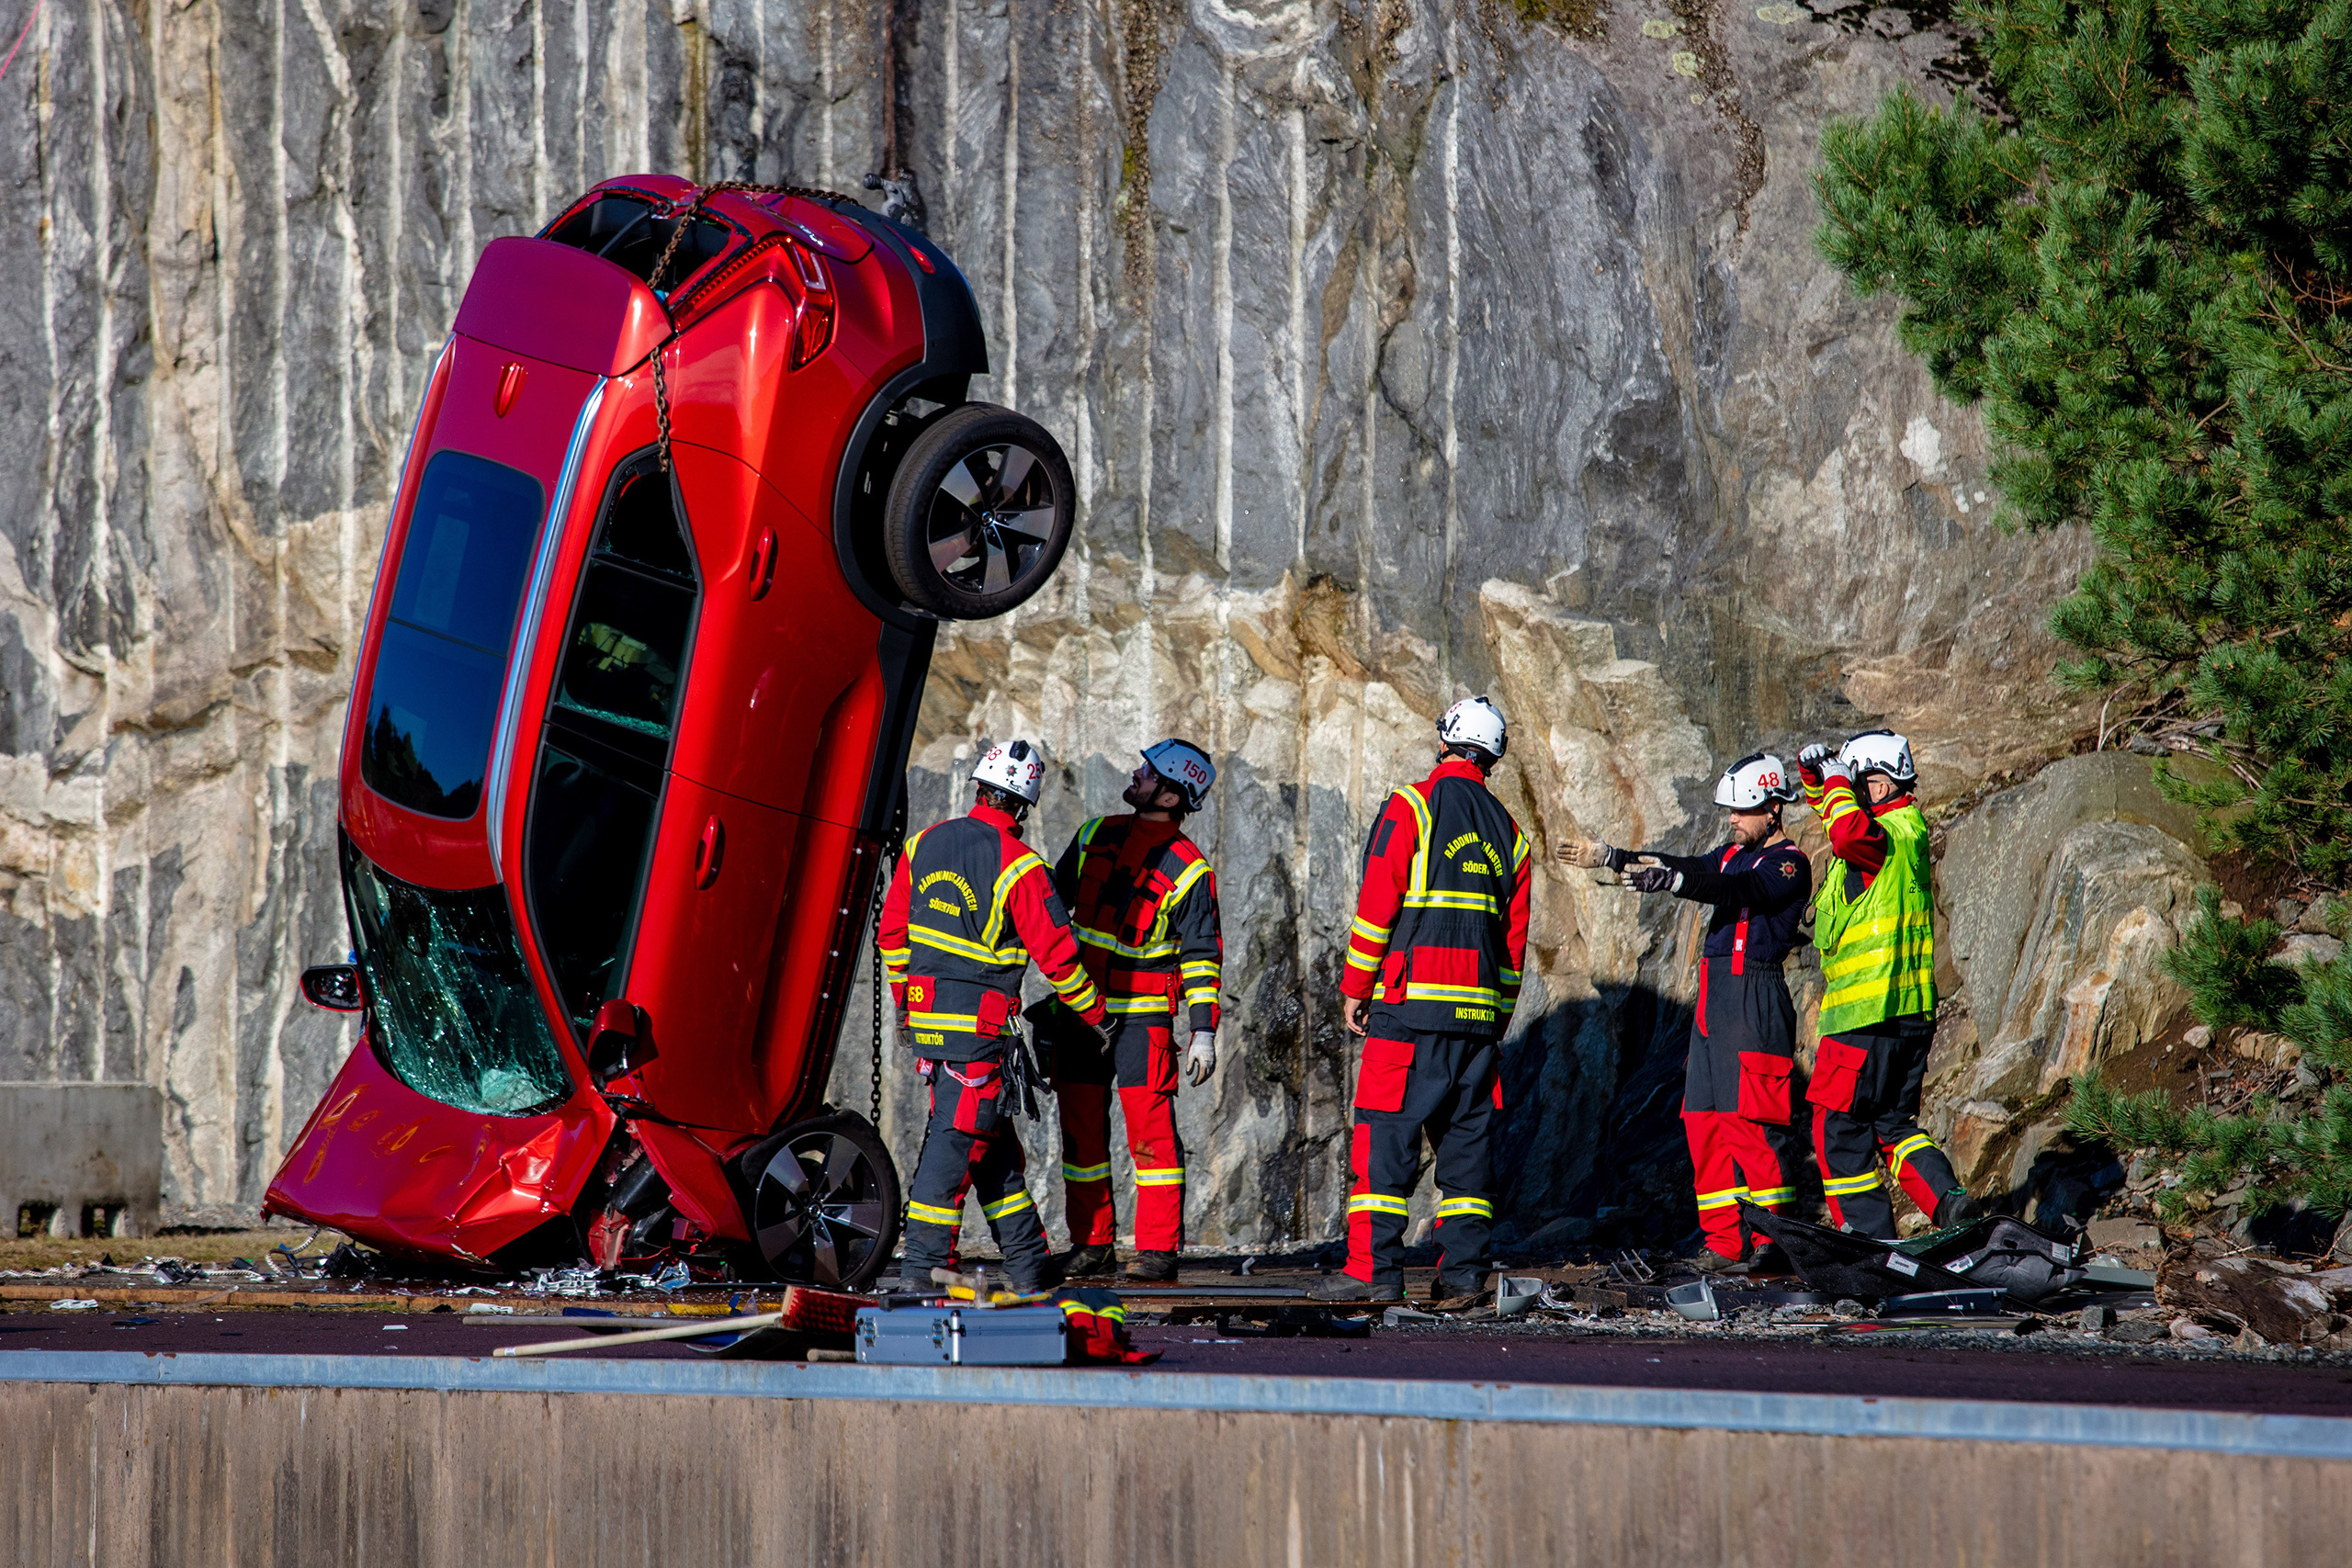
pixel 502 756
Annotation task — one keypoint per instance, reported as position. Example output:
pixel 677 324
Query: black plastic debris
pixel 348 1261
pixel 1844 1264
pixel 2007 1254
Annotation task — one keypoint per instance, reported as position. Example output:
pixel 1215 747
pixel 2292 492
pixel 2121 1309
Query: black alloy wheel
pixel 980 514
pixel 825 1202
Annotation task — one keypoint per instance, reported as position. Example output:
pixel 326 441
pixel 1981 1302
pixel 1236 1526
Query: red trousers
pixel 1734 1158
pixel 1145 1059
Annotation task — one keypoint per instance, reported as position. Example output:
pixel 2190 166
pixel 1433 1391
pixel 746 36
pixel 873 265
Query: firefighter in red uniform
pixel 1143 902
pixel 969 908
pixel 1736 1108
pixel 1433 975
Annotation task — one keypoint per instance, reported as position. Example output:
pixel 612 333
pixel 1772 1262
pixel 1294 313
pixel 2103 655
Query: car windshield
pixel 441 661
pixel 454 1011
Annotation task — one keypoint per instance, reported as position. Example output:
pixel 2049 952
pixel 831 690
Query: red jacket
pixel 988 909
pixel 1389 857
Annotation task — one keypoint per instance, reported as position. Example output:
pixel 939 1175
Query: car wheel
pixel 825 1202
pixel 979 513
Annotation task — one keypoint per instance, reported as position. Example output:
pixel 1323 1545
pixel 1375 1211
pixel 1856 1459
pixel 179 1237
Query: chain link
pixel 662 268
pixel 880 882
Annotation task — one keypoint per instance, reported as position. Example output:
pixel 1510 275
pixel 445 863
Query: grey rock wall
pixel 1404 350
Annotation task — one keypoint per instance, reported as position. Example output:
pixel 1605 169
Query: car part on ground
pixel 630 715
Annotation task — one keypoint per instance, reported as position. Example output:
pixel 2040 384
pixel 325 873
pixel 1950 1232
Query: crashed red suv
pixel 695 480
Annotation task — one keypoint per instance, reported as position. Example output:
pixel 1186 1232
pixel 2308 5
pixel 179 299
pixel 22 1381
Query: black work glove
pixel 1657 879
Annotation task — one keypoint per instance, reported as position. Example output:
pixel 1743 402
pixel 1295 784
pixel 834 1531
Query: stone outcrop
pixel 2058 899
pixel 1402 351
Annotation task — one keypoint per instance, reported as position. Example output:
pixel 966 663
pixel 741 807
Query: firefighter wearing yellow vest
pixel 1875 922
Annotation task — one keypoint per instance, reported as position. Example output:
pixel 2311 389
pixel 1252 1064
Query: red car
pixel 629 732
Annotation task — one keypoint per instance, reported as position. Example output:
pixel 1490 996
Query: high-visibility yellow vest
pixel 1877 952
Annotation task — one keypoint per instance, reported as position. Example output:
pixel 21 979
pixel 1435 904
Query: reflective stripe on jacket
pixel 1878 948
pixel 970 907
pixel 1441 925
pixel 1143 903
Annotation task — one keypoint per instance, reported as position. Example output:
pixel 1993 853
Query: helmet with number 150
pixel 1755 781
pixel 1185 767
pixel 1015 767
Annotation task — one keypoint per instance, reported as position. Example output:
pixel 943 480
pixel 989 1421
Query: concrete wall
pixel 71 1147
pixel 107 1473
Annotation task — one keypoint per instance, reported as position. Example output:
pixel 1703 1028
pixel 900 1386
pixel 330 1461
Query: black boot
pixel 1955 1208
pixel 1348 1288
pixel 1457 1290
pixel 1090 1262
pixel 1152 1268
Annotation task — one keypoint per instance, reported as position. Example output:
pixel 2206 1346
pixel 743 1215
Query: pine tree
pixel 2135 254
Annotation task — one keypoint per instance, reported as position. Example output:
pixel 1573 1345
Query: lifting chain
pixel 662 268
pixel 881 882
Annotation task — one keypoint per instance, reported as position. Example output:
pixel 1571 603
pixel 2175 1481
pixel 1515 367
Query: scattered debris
pixel 2283 1303
pixel 1515 1294
pixel 73 1305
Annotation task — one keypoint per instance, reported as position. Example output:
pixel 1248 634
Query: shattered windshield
pixel 455 1009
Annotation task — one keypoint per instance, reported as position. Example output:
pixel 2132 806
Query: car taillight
pixel 812 323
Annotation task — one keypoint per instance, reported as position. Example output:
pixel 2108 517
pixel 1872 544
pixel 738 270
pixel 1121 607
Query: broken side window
pixel 597 787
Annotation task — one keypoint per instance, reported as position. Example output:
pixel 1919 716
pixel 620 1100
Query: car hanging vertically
pixel 695 480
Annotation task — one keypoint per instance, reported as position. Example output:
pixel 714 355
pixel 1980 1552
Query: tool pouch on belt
pixel 1836 1067
pixel 1021 1075
pixel 1764 1087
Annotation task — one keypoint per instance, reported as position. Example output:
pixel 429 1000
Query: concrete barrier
pixel 66 1148
pixel 123 1459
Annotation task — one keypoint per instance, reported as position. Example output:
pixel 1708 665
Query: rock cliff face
pixel 1404 350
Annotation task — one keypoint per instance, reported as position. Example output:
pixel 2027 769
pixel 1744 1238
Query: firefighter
pixel 1873 919
pixel 1433 975
pixel 969 909
pixel 1143 902
pixel 1736 1108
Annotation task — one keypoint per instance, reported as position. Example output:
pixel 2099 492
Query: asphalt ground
pixel 1883 1364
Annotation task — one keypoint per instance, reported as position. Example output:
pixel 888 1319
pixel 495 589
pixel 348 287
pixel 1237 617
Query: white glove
pixel 1817 763
pixel 1200 1059
pixel 1588 852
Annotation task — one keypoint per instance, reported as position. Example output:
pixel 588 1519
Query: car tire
pixel 824 1202
pixel 980 514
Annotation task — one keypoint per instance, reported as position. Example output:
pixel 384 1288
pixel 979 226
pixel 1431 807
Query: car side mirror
pixel 616 1045
pixel 334 987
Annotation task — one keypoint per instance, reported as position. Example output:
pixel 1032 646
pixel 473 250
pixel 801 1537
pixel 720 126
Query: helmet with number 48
pixel 1755 781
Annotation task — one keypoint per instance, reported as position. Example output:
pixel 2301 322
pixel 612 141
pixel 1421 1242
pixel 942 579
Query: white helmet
pixel 1475 721
pixel 1878 751
pixel 1754 782
pixel 1184 766
pixel 1015 767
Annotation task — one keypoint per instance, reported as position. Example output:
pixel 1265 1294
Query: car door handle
pixel 762 568
pixel 707 852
